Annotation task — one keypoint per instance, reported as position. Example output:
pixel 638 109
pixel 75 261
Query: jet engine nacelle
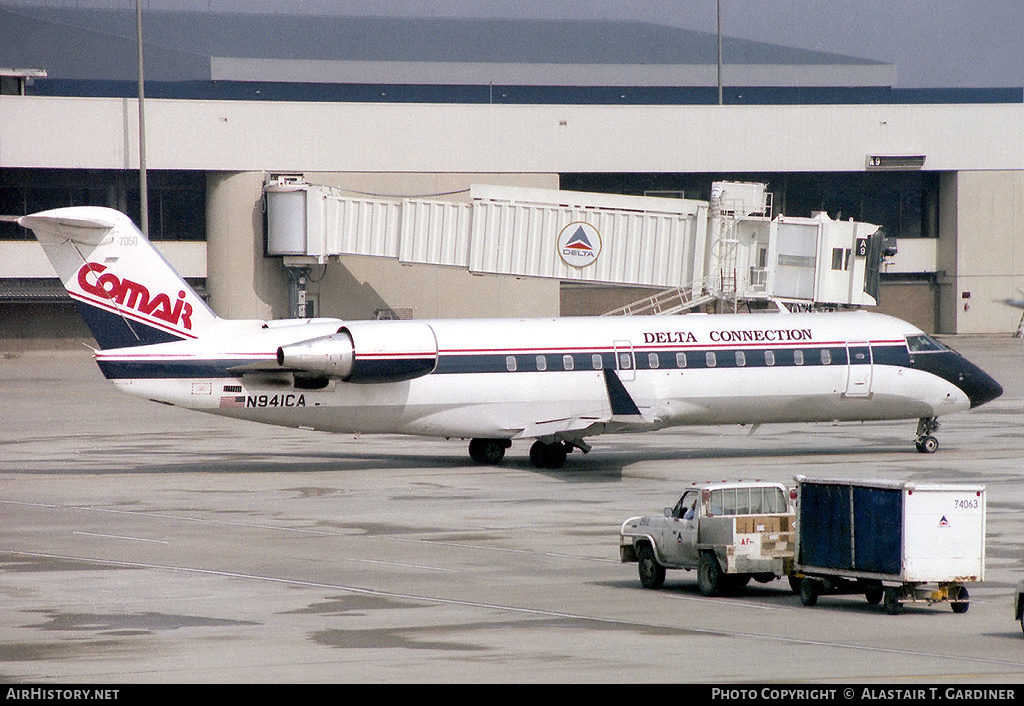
pixel 366 352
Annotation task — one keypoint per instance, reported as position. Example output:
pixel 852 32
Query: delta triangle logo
pixel 579 244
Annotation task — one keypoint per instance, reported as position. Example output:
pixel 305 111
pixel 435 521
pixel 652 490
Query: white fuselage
pixel 545 378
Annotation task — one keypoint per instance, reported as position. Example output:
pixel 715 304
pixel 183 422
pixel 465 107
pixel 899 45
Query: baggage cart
pixel 893 542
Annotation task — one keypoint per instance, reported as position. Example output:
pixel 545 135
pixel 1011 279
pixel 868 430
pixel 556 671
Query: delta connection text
pixel 931 693
pixel 747 336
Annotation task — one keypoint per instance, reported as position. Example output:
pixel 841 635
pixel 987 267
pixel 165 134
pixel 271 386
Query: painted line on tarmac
pixel 961 658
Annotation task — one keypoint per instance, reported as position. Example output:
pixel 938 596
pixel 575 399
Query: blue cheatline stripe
pixel 449 363
pixel 113 331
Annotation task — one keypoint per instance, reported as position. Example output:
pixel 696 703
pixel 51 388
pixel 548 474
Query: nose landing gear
pixel 925 442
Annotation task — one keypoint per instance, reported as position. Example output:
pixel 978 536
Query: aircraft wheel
pixel 927 445
pixel 488 452
pixel 548 455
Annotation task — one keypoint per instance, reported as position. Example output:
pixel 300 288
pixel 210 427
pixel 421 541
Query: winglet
pixel 620 399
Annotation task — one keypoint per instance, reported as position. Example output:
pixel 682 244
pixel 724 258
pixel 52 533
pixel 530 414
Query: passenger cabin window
pixel 798 357
pixel 769 358
pixel 567 362
pixel 826 356
pixel 709 359
pixel 595 361
pixel 542 363
pixel 680 360
pixel 652 360
pixel 741 359
pixel 510 363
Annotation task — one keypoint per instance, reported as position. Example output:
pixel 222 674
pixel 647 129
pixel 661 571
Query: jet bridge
pixel 730 249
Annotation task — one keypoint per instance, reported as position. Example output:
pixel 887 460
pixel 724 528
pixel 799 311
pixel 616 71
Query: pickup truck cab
pixel 728 532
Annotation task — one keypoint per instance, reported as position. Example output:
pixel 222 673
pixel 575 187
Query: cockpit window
pixel 924 344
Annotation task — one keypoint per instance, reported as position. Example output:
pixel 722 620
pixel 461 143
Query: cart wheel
pixel 809 592
pixel 891 599
pixel 874 595
pixel 962 601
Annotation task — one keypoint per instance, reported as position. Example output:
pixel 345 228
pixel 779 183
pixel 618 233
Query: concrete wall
pixel 102 133
pixel 915 302
pixel 981 251
pixel 242 283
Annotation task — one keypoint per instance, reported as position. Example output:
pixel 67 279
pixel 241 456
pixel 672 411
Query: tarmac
pixel 143 544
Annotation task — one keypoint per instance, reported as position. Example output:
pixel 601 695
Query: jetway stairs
pixel 670 301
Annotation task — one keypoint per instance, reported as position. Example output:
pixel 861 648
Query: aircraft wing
pixel 622 414
pixel 569 426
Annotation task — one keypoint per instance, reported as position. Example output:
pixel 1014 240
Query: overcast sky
pixel 933 43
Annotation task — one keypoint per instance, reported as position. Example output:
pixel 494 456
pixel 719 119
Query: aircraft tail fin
pixel 127 292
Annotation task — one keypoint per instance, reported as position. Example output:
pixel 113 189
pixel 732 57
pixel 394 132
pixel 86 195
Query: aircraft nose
pixel 979 386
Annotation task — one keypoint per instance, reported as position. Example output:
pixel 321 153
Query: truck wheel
pixel 652 574
pixel 962 602
pixel 709 575
pixel 809 592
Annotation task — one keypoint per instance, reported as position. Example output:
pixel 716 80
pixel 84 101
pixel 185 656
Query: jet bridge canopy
pixel 728 248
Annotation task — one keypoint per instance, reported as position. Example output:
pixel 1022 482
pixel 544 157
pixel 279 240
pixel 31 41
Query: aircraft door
pixel 860 369
pixel 625 362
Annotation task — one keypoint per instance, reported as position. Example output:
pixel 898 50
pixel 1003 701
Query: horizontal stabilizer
pixel 84 228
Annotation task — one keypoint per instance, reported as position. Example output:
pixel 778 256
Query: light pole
pixel 143 186
pixel 719 52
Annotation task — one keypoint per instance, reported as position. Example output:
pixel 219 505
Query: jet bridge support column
pixel 242 283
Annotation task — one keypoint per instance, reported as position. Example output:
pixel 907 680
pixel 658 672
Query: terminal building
pixel 399 111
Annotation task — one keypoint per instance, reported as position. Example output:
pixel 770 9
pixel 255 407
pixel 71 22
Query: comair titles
pixel 776 335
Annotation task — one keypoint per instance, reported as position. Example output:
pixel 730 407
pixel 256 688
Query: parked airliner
pixel 556 381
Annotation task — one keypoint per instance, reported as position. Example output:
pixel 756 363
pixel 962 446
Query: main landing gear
pixel 551 455
pixel 925 442
pixel 490 452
